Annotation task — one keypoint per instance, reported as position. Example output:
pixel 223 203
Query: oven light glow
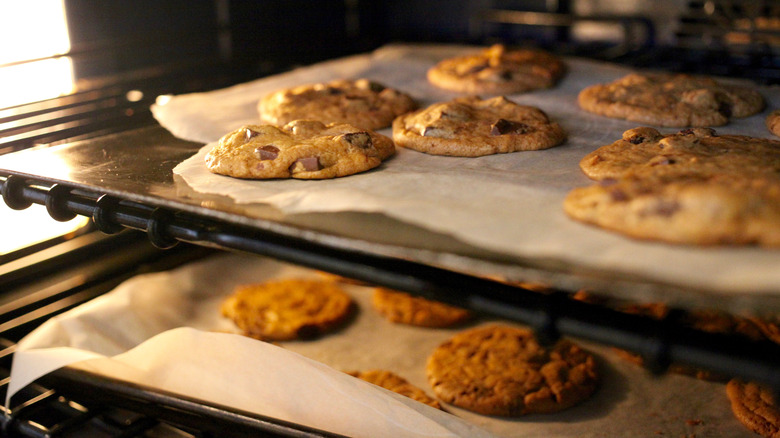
pixel 33 225
pixel 31 30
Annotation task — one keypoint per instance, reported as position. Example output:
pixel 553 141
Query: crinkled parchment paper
pixel 509 203
pixel 164 330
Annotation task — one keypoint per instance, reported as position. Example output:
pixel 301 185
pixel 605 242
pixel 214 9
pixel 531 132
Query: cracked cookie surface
pixel 288 309
pixel 674 100
pixel 472 127
pixel 755 406
pixel 403 308
pixel 504 371
pixel 301 149
pixel 498 70
pixel 363 103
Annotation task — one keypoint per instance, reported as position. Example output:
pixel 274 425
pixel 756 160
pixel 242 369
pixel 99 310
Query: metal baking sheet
pixel 139 166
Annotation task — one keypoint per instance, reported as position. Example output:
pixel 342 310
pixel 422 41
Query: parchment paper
pixel 164 330
pixel 510 203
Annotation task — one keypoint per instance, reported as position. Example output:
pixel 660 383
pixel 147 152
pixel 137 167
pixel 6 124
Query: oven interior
pixel 126 54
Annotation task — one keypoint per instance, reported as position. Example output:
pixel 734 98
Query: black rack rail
pixel 551 314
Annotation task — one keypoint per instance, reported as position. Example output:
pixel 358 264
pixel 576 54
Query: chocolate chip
pixel 725 108
pixel 250 133
pixel 359 139
pixel 503 126
pixel 667 208
pixel 636 139
pixel 267 152
pixel 375 87
pixel 309 164
pixel 688 131
pixel 618 195
pixel 663 161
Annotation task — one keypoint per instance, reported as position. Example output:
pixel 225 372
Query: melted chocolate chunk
pixel 636 139
pixel 250 133
pixel 618 195
pixel 309 164
pixel 359 139
pixel 725 109
pixel 267 152
pixel 663 161
pixel 503 126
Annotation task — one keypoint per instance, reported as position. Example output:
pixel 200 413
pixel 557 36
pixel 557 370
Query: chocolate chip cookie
pixel 755 406
pixel 498 70
pixel 472 127
pixel 504 371
pixel 668 99
pixel 288 309
pixel 693 187
pixel 363 103
pixel 773 122
pixel 396 383
pixel 403 308
pixel 301 149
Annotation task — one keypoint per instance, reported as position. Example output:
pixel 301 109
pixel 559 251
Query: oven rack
pixel 551 314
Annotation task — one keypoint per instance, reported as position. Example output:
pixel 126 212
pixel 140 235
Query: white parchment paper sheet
pixel 164 330
pixel 509 203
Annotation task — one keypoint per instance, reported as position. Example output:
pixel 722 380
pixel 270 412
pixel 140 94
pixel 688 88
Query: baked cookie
pixel 498 70
pixel 404 308
pixel 693 187
pixel 301 149
pixel 668 99
pixel 472 127
pixel 698 150
pixel 288 309
pixel 686 209
pixel 773 122
pixel 504 371
pixel 362 103
pixel 396 383
pixel 755 406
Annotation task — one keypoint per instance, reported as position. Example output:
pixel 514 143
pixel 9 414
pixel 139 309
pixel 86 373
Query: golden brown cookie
pixel 362 103
pixel 472 127
pixel 288 309
pixel 693 187
pixel 755 406
pixel 668 99
pixel 301 149
pixel 773 122
pixel 404 308
pixel 498 70
pixel 504 371
pixel 396 383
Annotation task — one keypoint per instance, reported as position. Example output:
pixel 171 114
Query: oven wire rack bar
pixel 551 314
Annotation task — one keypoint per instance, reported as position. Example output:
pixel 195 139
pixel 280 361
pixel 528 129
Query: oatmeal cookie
pixel 404 308
pixel 504 371
pixel 498 70
pixel 755 406
pixel 288 309
pixel 301 149
pixel 362 103
pixel 668 99
pixel 472 127
pixel 396 383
